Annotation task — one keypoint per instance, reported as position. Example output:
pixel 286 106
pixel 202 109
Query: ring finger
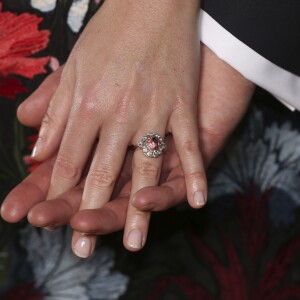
pixel 146 171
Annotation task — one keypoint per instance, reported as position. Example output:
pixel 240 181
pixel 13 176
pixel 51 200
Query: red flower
pixel 253 222
pixel 31 163
pixel 20 38
pixel 238 281
pixel 24 292
pixel 189 288
pixel 9 87
pixel 32 139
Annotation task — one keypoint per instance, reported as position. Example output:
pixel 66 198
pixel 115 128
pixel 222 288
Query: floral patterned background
pixel 244 245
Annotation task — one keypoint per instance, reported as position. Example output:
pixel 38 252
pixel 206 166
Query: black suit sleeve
pixel 260 38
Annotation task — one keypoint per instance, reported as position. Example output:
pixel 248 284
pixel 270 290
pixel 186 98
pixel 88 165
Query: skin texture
pixel 143 76
pixel 223 99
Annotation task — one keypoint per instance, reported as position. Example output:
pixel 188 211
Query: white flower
pixel 269 157
pixel 43 5
pixel 77 14
pixel 60 275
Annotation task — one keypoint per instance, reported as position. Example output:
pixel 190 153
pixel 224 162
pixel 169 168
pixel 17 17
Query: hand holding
pixel 223 99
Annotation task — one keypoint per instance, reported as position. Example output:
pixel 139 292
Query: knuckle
pixel 196 176
pixel 102 178
pixel 66 169
pixel 148 170
pixel 48 119
pixel 212 131
pixel 125 107
pixel 87 107
pixel 191 147
pixel 113 218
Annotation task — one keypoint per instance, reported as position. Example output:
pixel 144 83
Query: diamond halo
pixel 152 144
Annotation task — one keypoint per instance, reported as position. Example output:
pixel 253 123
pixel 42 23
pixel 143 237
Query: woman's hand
pixel 133 70
pixel 223 99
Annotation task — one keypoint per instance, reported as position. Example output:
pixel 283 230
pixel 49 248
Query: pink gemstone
pixel 152 143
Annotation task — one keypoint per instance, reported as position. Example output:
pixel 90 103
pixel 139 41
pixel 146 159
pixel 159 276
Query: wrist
pixel 156 9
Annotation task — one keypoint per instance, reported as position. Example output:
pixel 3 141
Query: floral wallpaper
pixel 244 245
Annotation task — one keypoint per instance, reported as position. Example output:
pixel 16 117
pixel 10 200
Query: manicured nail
pixel 83 247
pixel 135 239
pixel 37 147
pixel 199 199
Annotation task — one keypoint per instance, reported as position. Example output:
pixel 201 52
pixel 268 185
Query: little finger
pixel 186 139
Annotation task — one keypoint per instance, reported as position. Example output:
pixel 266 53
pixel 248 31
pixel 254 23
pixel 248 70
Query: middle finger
pixel 101 179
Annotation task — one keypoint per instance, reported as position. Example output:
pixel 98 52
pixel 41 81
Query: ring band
pixel 152 145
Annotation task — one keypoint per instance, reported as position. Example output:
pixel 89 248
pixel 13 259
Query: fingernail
pixel 37 147
pixel 50 228
pixel 83 247
pixel 199 199
pixel 135 239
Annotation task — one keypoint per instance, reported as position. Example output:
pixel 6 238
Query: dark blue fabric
pixel 270 27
